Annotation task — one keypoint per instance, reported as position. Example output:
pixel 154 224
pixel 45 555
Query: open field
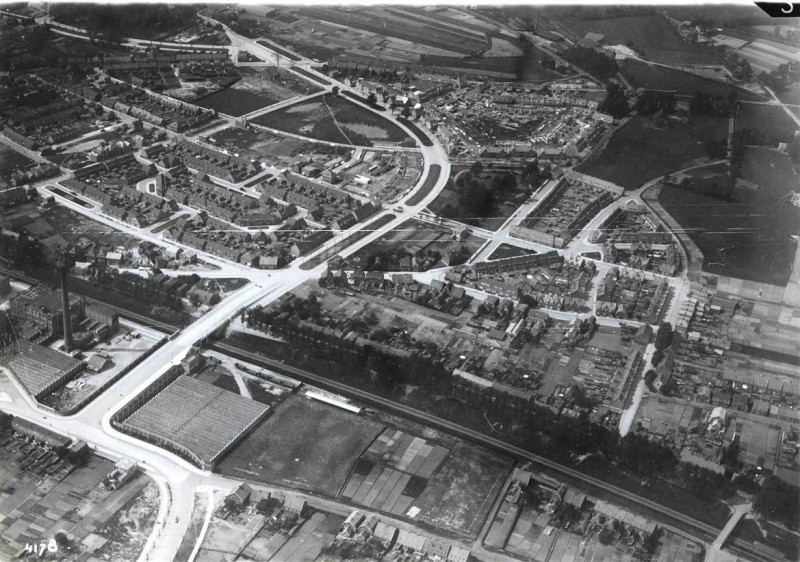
pixel 791 94
pixel 274 148
pixel 335 119
pixel 638 152
pixel 461 493
pixel 303 444
pixel 258 87
pixel 401 25
pixel 642 75
pixel 747 238
pixel 770 124
pixel 652 34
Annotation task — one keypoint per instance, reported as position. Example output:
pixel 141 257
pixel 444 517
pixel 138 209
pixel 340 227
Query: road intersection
pixel 179 480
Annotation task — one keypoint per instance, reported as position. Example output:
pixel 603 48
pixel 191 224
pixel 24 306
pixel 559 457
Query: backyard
pixel 334 119
pixel 10 160
pixel 638 152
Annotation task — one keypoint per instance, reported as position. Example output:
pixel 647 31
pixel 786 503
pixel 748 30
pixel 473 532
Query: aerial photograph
pixel 400 282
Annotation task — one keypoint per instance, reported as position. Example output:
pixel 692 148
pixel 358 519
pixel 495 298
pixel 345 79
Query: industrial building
pixel 40 369
pixel 41 307
pixel 195 420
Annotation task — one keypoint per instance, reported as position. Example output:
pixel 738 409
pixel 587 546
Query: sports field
pixel 304 444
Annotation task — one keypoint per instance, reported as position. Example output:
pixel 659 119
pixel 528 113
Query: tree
pixel 615 102
pixel 372 98
pixel 477 168
pixel 778 501
pixel 649 379
pixel 335 91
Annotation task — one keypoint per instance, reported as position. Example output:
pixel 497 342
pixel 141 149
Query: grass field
pixel 334 119
pixel 771 120
pixel 747 238
pixel 258 87
pixel 790 94
pixel 653 34
pixel 303 444
pixel 642 75
pixel 10 160
pixel 637 152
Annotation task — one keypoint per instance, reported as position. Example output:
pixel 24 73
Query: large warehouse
pixel 194 419
pixel 40 369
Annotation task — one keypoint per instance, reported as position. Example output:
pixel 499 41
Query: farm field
pixel 747 238
pixel 303 444
pixel 10 160
pixel 642 75
pixel 504 201
pixel 638 153
pixel 407 26
pixel 334 119
pixel 770 124
pixel 652 34
pixel 258 87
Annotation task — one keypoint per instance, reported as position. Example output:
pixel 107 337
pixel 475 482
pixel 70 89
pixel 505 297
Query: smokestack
pixel 65 307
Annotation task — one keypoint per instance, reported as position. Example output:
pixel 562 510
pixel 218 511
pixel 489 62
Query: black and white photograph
pixel 396 281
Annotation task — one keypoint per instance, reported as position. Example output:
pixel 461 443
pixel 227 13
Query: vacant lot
pixel 334 119
pixel 461 493
pixel 509 251
pixel 638 152
pixel 304 444
pixel 642 75
pixel 747 238
pixel 653 35
pixel 791 94
pixel 259 87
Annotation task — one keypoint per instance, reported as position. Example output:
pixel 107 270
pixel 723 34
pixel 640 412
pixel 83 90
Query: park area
pixel 651 35
pixel 304 444
pixel 638 152
pixel 749 237
pixel 334 119
pixel 484 198
pixel 259 87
